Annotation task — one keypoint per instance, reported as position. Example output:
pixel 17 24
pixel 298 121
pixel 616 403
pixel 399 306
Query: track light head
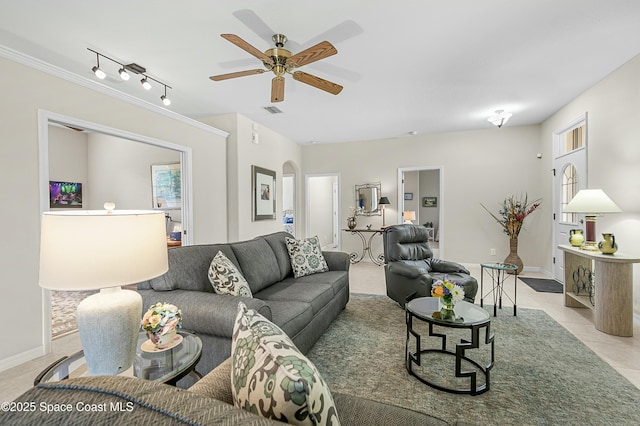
pixel 145 83
pixel 166 101
pixel 124 74
pixel 98 72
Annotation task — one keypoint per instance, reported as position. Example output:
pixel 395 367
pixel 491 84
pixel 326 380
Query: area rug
pixel 543 285
pixel 63 311
pixel 542 374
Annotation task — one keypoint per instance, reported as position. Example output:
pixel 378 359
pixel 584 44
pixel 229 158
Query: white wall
pixel 25 90
pixel 68 152
pixel 321 208
pixel 482 166
pixel 430 187
pixel 613 108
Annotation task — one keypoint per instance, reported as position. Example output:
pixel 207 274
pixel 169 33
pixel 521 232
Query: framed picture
pixel 263 193
pixel 166 186
pixel 65 195
pixel 408 195
pixel 430 202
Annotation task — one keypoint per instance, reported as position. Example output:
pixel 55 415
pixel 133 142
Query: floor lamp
pixel 90 250
pixel 383 204
pixel 591 202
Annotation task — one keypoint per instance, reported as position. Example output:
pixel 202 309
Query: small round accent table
pixel 468 316
pixel 498 272
pixel 166 366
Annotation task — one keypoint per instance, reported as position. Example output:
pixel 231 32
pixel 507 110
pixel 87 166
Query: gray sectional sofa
pixel 302 307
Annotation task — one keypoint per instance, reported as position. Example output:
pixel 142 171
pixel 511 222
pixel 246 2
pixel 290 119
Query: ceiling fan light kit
pixel 280 61
pixel 124 74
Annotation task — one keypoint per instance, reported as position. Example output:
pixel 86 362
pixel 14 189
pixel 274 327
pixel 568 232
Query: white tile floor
pixel 622 353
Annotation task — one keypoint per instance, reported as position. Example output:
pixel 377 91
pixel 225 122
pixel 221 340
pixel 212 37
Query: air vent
pixel 273 110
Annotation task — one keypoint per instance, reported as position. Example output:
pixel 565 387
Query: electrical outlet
pixel 493 252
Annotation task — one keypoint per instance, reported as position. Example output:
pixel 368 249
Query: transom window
pixel 574 139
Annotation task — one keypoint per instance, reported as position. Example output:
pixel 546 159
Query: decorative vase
pixel 351 222
pixel 576 237
pixel 163 340
pixel 513 257
pixel 608 246
pixel 446 308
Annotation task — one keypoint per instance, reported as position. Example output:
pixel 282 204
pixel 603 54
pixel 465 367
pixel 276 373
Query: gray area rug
pixel 63 310
pixel 543 285
pixel 542 375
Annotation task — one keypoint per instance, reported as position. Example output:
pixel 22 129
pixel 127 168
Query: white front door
pixel 570 176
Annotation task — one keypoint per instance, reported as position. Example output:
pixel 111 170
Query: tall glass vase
pixel 513 257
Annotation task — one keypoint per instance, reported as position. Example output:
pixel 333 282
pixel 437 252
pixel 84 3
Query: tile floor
pixel 622 353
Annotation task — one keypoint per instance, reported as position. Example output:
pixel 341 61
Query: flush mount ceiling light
pixel 124 72
pixel 499 118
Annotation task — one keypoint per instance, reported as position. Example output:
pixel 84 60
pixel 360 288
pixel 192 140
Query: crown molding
pixel 55 71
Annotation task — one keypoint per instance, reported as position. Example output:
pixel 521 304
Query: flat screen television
pixel 65 195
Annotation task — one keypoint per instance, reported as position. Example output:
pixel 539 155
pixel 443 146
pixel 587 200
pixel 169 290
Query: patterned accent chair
pixel 410 267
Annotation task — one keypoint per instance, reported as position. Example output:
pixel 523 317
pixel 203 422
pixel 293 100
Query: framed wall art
pixel 65 195
pixel 166 186
pixel 430 202
pixel 263 193
pixel 408 195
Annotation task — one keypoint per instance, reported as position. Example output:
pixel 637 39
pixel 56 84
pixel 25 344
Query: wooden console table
pixel 613 282
pixel 366 245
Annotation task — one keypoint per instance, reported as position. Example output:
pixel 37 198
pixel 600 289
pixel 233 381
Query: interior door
pixel 570 168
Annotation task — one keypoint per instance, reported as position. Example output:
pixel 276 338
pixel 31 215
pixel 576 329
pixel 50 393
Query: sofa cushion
pixel 316 294
pixel 225 277
pixel 306 256
pixel 278 244
pixel 338 280
pixel 257 262
pixel 271 378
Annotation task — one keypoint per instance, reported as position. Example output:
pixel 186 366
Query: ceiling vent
pixel 273 110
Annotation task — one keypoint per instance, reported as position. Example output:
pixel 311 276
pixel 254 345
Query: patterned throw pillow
pixel 271 378
pixel 225 277
pixel 306 256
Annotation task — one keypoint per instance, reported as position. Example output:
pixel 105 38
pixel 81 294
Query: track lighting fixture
pixel 145 83
pixel 124 72
pixel 164 98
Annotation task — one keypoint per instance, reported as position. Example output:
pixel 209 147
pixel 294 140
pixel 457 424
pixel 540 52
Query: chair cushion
pixel 306 256
pixel 271 377
pixel 225 277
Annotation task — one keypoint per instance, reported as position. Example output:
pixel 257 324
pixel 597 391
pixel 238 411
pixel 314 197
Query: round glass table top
pixel 466 314
pixel 500 265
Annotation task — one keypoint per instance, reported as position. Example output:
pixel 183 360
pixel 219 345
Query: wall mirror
pixel 367 196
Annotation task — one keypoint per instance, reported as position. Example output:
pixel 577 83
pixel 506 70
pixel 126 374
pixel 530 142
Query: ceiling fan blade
pixel 235 74
pixel 314 53
pixel 247 47
pixel 277 89
pixel 317 82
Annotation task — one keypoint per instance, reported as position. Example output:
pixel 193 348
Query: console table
pixel 613 282
pixel 366 245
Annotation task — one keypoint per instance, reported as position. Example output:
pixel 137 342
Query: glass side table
pixel 166 366
pixel 498 272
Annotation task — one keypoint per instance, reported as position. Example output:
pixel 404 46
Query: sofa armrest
pixel 207 313
pixel 337 260
pixel 406 270
pixel 216 384
pixel 446 266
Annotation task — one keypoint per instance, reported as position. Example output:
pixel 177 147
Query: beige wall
pixel 25 90
pixel 481 166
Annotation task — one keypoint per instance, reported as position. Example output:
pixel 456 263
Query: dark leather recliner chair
pixel 410 268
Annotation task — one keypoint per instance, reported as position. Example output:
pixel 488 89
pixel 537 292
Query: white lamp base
pixel 108 323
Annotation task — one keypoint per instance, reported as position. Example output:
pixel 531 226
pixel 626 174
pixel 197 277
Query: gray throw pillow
pixel 226 278
pixel 306 256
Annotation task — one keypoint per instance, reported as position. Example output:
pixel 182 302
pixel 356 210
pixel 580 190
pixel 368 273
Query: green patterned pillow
pixel 225 277
pixel 306 256
pixel 271 378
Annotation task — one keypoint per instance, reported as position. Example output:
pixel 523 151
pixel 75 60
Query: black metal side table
pixel 468 316
pixel 366 246
pixel 499 272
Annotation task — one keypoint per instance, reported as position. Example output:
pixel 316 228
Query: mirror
pixel 367 197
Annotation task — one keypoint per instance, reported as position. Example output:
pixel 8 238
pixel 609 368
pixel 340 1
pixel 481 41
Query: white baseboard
pixel 21 358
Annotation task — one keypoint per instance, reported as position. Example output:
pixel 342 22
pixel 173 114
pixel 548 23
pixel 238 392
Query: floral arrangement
pixel 513 213
pixel 449 291
pixel 161 319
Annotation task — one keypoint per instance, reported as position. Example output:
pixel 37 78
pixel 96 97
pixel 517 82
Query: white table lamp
pixel 104 249
pixel 591 202
pixel 409 216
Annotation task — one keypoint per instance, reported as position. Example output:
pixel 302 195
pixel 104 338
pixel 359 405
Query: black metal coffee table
pixel 468 316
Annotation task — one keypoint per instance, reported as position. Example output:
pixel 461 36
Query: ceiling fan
pixel 280 61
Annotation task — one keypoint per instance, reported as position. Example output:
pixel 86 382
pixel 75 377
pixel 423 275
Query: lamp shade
pixel 410 215
pixel 592 201
pixel 91 249
pixel 383 200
